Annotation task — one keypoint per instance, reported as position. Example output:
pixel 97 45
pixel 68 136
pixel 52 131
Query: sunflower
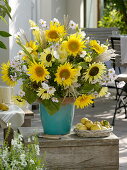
pixel 6 74
pixel 74 45
pixel 18 100
pixel 66 75
pixel 95 46
pixel 55 32
pixel 46 57
pixel 83 101
pixel 95 71
pixel 43 94
pixel 37 72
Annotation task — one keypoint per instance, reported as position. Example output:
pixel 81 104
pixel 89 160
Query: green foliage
pixel 51 106
pixel 20 156
pixel 5 10
pixel 114 16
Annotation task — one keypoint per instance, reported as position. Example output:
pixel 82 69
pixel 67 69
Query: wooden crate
pixel 74 153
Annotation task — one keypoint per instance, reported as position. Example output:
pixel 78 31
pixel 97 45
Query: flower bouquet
pixel 59 63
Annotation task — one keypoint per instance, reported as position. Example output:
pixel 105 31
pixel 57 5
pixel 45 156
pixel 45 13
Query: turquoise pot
pixel 59 123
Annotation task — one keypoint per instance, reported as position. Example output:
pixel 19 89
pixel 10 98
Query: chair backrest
pixel 101 34
pixel 115 44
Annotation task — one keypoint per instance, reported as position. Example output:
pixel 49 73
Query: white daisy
pixel 72 25
pixel 43 23
pixel 45 86
pixel 55 20
pixel 83 54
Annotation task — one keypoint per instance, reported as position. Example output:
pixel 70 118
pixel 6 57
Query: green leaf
pixel 30 95
pixel 6 10
pixel 2 45
pixel 3 19
pixel 51 107
pixel 83 65
pixel 4 34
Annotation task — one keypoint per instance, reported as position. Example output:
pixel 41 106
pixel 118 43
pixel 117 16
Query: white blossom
pixel 45 86
pixel 37 149
pixel 56 55
pixel 55 20
pixel 43 23
pixel 54 99
pixel 51 90
pixel 82 54
pixel 72 25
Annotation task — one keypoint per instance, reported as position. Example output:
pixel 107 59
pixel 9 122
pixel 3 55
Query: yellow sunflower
pixel 95 46
pixel 66 75
pixel 83 101
pixel 18 100
pixel 42 93
pixel 74 45
pixel 37 72
pixel 6 74
pixel 46 57
pixel 95 71
pixel 55 32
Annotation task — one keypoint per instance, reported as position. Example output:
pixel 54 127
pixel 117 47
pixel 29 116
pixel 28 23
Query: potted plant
pixel 61 68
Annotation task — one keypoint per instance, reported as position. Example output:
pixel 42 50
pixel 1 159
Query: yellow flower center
pixel 94 71
pixel 53 34
pixel 65 74
pixel 73 45
pixel 48 57
pixel 39 71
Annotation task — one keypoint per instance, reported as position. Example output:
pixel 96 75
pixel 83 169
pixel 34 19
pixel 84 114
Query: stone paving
pixel 104 109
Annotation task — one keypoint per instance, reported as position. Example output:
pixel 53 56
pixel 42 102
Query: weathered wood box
pixel 74 153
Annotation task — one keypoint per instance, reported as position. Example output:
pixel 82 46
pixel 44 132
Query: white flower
pixel 24 68
pixel 32 161
pixel 55 20
pixel 43 23
pixel 22 157
pixel 51 90
pixel 56 55
pixel 20 137
pixel 72 25
pixel 37 149
pixel 82 54
pixel 45 86
pixel 24 163
pixel 111 71
pixel 54 99
pixel 29 140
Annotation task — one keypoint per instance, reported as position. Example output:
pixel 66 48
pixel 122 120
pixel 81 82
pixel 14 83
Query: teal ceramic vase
pixel 59 123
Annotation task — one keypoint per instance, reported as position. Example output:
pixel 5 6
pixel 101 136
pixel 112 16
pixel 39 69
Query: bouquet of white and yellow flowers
pixel 59 62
